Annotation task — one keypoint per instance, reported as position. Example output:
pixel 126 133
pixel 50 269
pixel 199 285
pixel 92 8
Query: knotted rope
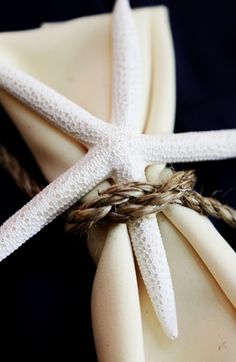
pixel 123 203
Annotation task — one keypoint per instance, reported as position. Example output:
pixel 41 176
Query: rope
pixel 18 173
pixel 123 203
pixel 126 202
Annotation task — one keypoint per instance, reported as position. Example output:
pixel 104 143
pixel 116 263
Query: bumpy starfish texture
pixel 116 150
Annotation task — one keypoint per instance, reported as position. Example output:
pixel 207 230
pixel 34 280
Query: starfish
pixel 115 150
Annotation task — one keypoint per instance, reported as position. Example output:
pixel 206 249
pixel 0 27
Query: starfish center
pixel 119 142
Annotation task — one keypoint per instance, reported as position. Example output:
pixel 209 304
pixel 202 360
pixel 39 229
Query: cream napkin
pixel 202 265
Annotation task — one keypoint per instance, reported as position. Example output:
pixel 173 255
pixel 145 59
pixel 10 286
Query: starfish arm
pixel 188 147
pixel 152 261
pixel 53 200
pixel 126 67
pixel 149 251
pixel 53 106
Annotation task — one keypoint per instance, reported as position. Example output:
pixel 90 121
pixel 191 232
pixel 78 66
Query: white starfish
pixel 116 150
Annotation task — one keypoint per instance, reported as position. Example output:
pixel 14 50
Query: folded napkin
pixel 202 264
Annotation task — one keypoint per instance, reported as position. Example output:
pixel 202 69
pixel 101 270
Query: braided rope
pixel 126 202
pixel 18 173
pixel 123 203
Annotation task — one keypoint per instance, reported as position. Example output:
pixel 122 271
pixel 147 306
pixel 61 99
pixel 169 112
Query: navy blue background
pixel 46 284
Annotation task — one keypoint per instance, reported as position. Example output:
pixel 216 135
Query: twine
pixel 18 173
pixel 123 203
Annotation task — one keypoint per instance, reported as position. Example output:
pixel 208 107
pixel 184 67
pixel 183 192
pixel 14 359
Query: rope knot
pixel 123 203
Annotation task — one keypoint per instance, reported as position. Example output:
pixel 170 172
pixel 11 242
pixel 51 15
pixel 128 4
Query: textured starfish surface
pixel 115 150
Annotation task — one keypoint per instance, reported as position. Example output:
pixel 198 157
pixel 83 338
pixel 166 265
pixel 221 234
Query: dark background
pixel 46 284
